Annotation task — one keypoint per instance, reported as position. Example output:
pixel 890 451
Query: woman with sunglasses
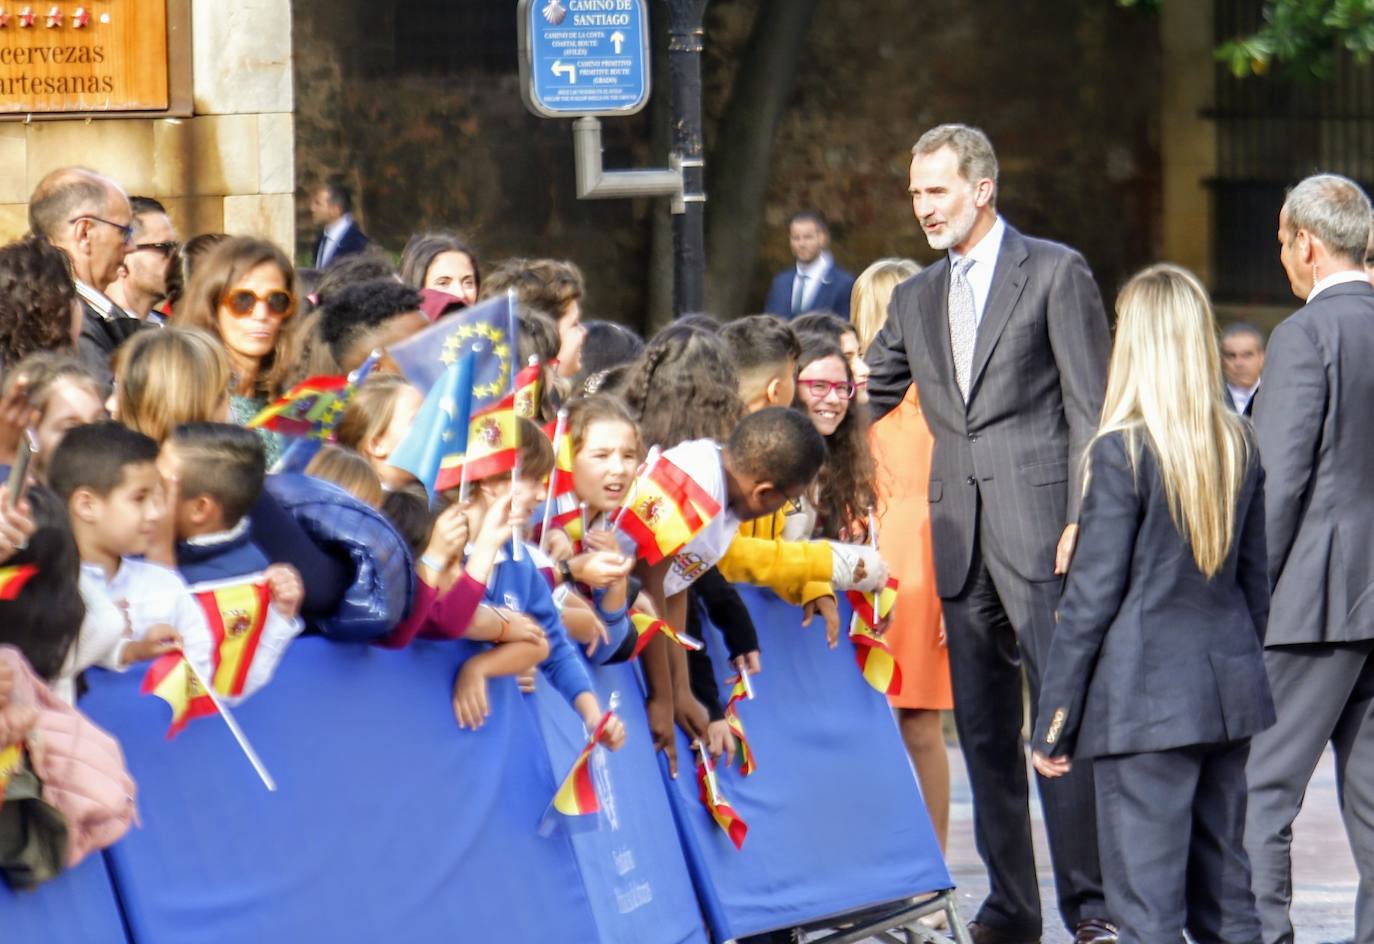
pixel 844 493
pixel 244 293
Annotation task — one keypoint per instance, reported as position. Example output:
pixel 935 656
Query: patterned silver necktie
pixel 963 322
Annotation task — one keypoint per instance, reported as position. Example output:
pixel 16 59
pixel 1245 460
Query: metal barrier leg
pixel 900 924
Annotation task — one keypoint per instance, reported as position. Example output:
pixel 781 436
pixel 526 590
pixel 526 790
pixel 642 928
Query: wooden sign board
pixel 89 56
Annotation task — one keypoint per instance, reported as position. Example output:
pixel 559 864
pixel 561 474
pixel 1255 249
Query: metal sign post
pixel 588 59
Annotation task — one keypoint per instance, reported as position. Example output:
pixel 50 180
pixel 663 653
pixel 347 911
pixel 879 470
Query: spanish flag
pixel 237 616
pixel 561 478
pixel 525 399
pixel 311 408
pixel 577 795
pixel 171 679
pixel 646 626
pixel 11 760
pixel 740 689
pixel 874 608
pixel 875 659
pixel 746 754
pixel 12 579
pixel 666 509
pixel 492 448
pixel 719 808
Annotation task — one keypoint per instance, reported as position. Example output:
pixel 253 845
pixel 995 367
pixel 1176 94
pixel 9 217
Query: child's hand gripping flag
pixel 720 809
pixel 740 690
pixel 248 636
pixel 577 794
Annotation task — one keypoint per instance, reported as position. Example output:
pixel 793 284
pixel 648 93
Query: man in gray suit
pixel 1312 425
pixel 1007 343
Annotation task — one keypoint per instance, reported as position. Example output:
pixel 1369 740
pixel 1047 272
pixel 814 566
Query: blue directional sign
pixel 584 57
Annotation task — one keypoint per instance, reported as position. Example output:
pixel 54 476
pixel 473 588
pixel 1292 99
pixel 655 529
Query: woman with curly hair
pixel 38 306
pixel 846 491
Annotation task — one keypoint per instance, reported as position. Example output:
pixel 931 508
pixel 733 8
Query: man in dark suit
pixel 331 208
pixel 1242 361
pixel 1312 426
pixel 88 217
pixel 815 283
pixel 1007 342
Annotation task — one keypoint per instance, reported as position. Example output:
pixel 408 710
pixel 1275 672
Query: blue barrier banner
pixel 389 824
pixel 634 871
pixel 77 907
pixel 836 820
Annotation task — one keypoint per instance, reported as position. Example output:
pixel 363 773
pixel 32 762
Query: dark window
pixel 456 37
pixel 1272 131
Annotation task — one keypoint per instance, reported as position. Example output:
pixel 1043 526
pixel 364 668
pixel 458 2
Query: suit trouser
pixel 1322 692
pixel 998 621
pixel 1171 826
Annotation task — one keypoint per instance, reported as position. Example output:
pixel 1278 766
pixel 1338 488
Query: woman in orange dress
pixel 901 444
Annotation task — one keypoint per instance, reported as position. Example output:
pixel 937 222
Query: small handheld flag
pixel 747 764
pixel 307 409
pixel 12 579
pixel 667 508
pixel 873 608
pixel 875 658
pixel 645 626
pixel 720 809
pixel 237 615
pixel 577 794
pixel 438 435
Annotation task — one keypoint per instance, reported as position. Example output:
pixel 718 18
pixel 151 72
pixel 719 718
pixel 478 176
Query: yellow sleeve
pixel 788 568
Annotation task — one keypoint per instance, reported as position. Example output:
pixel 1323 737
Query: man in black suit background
pixel 815 283
pixel 1313 429
pixel 1242 363
pixel 331 207
pixel 1007 342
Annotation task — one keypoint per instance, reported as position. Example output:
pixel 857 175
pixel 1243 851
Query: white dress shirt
pixel 814 272
pixel 332 234
pixel 1241 396
pixel 1336 278
pixel 984 256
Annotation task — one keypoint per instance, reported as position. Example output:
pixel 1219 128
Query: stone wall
pixel 231 167
pixel 1071 102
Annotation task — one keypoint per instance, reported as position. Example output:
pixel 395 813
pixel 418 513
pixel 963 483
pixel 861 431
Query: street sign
pixel 584 57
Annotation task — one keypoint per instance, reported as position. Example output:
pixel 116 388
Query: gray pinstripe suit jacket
pixel 1039 372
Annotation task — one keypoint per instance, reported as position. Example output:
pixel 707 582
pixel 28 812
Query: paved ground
pixel 1324 872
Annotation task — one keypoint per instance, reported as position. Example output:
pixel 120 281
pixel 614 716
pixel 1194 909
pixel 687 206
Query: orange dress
pixel 902 444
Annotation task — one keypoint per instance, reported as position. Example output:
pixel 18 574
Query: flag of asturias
pixel 237 615
pixel 666 509
pixel 12 579
pixel 487 330
pixel 439 432
pixel 171 679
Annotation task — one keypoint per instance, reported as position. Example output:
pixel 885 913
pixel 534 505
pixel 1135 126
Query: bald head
pixel 83 213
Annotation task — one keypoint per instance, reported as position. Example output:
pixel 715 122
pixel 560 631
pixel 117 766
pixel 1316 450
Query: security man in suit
pixel 1007 342
pixel 815 283
pixel 331 208
pixel 1312 425
pixel 1242 363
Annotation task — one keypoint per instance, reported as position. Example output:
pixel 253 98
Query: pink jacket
pixel 81 766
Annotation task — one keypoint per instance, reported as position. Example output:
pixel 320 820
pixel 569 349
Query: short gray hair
pixel 1335 210
pixel 977 159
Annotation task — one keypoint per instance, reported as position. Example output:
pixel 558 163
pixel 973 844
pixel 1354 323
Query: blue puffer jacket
pixel 383 588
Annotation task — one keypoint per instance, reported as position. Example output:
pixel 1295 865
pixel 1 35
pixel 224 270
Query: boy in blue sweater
pixel 518 584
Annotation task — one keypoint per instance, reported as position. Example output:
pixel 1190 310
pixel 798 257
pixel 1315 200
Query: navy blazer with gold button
pixel 1148 653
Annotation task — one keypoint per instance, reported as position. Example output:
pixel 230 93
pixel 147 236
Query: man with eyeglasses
pixel 88 217
pixel 142 281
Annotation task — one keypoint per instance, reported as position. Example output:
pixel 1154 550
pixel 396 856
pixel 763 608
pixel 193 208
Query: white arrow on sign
pixel 560 69
pixel 618 40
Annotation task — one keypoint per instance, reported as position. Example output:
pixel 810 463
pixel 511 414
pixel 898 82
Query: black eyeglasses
pixel 165 248
pixel 125 229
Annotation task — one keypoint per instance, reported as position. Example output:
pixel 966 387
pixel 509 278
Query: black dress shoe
pixel 1094 931
pixel 986 934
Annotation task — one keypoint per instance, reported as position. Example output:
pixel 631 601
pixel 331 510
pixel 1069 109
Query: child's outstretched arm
pixel 470 705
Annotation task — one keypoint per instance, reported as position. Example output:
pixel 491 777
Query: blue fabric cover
pixel 384 587
pixel 836 820
pixel 77 907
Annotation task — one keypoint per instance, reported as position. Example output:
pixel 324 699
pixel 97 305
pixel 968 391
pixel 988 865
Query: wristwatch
pixel 565 572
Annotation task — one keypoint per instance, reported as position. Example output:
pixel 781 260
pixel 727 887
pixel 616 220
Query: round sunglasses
pixel 242 302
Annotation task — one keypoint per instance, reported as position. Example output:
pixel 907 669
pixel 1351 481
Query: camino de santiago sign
pixel 583 58
pixel 88 56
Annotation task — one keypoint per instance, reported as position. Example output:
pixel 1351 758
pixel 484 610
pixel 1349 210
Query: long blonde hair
pixel 872 291
pixel 1164 391
pixel 168 377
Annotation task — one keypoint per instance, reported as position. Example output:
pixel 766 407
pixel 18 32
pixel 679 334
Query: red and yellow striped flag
pixel 740 689
pixel 561 478
pixel 11 759
pixel 12 579
pixel 666 509
pixel 719 808
pixel 526 396
pixel 493 446
pixel 874 608
pixel 646 626
pixel 875 659
pixel 171 679
pixel 577 794
pixel 237 615
pixel 311 407
pixel 747 764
